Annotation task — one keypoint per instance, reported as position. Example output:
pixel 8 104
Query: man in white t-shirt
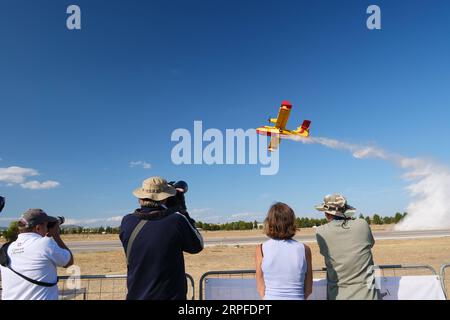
pixel 35 254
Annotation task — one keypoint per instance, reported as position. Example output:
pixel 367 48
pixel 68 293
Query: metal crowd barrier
pixel 113 287
pixel 395 270
pixel 232 273
pixel 101 287
pixel 93 287
pixel 386 270
pixel 236 274
pixel 444 281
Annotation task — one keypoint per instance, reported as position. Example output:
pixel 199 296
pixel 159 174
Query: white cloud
pixel 36 185
pixel 143 164
pixel 16 175
pixel 95 222
pixel 248 216
pixel 200 211
pixel 241 215
pixel 210 215
pixel 212 219
pixel 429 183
pixel 115 219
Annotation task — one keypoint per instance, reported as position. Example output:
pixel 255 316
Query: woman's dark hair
pixel 280 222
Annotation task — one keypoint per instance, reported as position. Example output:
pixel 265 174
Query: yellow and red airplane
pixel 279 130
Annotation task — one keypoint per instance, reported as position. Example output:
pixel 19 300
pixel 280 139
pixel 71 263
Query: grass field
pixel 431 251
pixel 211 258
pixel 434 252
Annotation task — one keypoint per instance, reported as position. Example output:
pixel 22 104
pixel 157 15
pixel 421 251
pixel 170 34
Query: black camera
pixel 59 219
pixel 2 203
pixel 178 201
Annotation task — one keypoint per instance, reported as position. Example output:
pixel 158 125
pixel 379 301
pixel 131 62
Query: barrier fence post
pixel 395 268
pixel 442 275
pixel 89 291
pixel 191 280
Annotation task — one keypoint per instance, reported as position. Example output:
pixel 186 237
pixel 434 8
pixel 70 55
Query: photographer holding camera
pixel 28 265
pixel 154 238
pixel 178 202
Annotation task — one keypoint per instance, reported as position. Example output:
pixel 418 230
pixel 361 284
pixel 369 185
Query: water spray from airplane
pixel 429 183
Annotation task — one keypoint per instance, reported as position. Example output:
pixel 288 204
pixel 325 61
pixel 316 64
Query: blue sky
pixel 79 106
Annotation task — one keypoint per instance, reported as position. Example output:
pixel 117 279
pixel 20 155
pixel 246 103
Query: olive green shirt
pixel 346 247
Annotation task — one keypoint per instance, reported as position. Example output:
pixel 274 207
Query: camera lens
pixel 61 220
pixel 181 185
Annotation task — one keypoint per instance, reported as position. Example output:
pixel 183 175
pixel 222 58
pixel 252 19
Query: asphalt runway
pixel 95 246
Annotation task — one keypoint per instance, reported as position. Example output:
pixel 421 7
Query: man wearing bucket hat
pixel 154 238
pixel 29 263
pixel 346 245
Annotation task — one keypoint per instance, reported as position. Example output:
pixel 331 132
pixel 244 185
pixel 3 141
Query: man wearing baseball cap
pixel 30 272
pixel 346 245
pixel 154 239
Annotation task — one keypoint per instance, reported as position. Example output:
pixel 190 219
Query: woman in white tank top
pixel 283 265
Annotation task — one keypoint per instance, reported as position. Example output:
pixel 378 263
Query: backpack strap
pixel 38 283
pixel 133 236
pixel 5 262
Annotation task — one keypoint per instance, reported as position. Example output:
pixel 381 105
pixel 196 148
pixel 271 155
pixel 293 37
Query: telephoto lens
pixel 181 185
pixel 60 220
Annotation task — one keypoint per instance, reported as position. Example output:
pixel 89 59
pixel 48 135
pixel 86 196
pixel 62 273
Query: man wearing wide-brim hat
pixel 154 238
pixel 346 245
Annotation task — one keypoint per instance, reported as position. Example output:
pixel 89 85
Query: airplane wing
pixel 274 142
pixel 283 115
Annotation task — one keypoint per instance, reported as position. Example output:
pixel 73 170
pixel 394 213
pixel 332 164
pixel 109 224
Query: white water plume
pixel 429 183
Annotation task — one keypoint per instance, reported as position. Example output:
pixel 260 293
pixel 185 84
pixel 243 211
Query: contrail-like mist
pixel 429 186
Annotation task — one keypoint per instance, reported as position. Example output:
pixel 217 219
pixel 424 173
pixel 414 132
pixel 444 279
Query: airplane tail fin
pixel 305 125
pixel 304 128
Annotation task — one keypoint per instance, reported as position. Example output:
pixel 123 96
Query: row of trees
pixel 12 231
pixel 81 230
pixel 239 225
pixel 376 219
pixel 299 222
